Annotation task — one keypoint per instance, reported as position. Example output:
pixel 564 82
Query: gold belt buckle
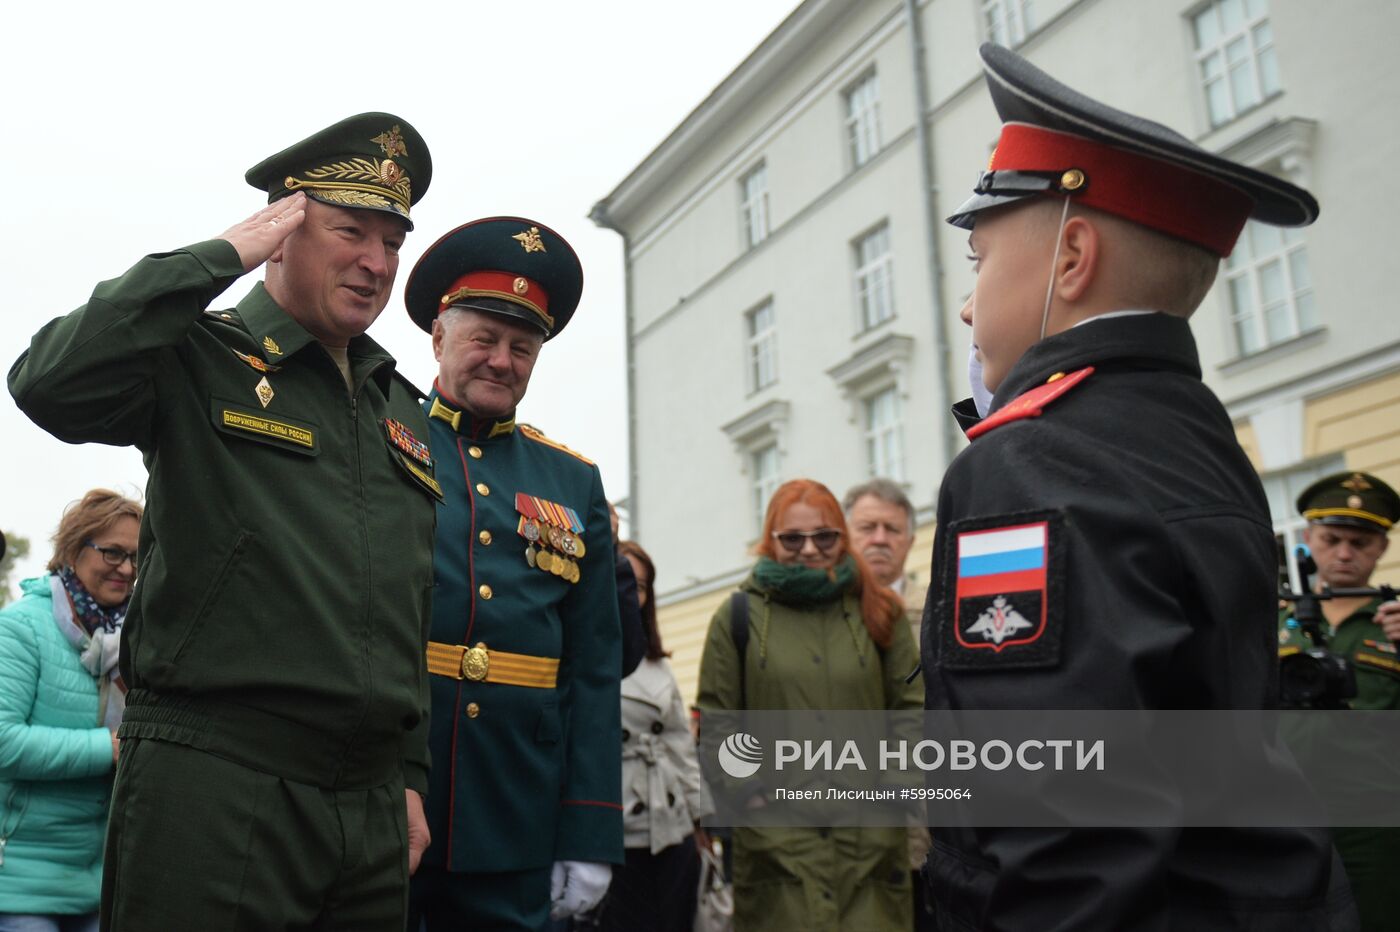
pixel 476 662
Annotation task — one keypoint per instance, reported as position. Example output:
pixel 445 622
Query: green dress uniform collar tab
pixel 445 408
pixel 279 337
pixel 276 332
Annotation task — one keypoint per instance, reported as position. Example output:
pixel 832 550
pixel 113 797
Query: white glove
pixel 576 887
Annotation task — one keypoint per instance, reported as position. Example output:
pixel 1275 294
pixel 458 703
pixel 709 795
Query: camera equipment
pixel 1315 678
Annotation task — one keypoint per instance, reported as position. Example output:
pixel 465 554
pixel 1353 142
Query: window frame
pixel 880 460
pixel 862 126
pixel 757 343
pixel 1015 28
pixel 762 487
pixel 1291 245
pixel 1261 59
pixel 881 270
pixel 1286 485
pixel 754 219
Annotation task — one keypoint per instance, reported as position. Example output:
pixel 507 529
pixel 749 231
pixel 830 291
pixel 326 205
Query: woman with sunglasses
pixel 61 700
pixel 823 634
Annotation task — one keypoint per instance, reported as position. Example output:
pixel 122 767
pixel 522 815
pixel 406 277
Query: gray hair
pixel 885 490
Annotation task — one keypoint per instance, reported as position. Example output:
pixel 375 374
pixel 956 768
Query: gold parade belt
pixel 492 666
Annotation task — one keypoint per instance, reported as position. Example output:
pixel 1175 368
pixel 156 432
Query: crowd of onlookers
pixel 825 586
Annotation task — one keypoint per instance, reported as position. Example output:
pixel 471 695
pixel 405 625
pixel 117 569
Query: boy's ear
pixel 1081 249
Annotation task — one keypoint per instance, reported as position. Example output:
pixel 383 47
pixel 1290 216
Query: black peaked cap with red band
pixel 1059 142
pixel 507 266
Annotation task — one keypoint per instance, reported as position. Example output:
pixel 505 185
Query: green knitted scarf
pixel 795 584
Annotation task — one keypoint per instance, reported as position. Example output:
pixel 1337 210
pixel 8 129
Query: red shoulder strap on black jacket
pixel 1032 403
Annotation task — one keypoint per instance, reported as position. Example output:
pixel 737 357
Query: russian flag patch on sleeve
pixel 1004 578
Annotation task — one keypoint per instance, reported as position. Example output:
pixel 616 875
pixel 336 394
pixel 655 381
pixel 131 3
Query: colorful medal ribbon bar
pixel 401 437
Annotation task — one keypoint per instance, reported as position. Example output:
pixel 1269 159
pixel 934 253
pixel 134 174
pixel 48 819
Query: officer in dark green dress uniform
pixel 1349 515
pixel 274 744
pixel 524 806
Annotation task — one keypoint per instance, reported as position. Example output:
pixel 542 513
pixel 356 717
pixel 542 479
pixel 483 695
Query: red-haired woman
pixel 822 635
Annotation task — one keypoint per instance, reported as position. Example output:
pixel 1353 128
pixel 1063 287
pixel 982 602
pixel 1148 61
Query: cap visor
pixel 966 214
pixel 317 196
pixel 501 309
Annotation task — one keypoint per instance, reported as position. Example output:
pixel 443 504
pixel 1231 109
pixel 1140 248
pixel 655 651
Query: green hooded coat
pixel 813 657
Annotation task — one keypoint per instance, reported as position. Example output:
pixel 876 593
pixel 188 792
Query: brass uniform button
pixel 1072 180
pixel 484 537
pixel 483 489
pixel 1055 378
pixel 474 452
pixel 473 710
pixel 485 592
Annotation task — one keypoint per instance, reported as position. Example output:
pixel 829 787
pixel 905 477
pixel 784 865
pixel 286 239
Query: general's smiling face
pixel 335 272
pixel 484 360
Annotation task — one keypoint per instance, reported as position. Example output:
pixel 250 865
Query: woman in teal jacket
pixel 61 699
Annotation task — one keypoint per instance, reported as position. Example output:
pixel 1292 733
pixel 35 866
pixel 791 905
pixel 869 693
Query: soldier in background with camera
pixel 1349 515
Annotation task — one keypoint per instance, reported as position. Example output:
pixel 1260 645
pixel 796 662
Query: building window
pixel 1008 22
pixel 765 470
pixel 884 435
pixel 1282 490
pixel 874 277
pixel 1235 56
pixel 863 119
pixel 1271 294
pixel 753 206
pixel 763 346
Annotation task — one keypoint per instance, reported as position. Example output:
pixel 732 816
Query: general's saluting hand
pixel 258 237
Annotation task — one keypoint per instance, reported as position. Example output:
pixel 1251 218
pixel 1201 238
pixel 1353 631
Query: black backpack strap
pixel 739 631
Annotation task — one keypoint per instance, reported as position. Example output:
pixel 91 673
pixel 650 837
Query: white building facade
pixel 793 291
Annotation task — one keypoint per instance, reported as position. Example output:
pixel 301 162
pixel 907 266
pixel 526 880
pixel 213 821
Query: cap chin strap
pixel 1054 262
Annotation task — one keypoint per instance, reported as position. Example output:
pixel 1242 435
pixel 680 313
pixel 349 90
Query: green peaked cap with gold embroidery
pixel 1355 499
pixel 374 161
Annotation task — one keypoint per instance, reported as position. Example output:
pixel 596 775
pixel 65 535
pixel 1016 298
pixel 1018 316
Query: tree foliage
pixel 16 548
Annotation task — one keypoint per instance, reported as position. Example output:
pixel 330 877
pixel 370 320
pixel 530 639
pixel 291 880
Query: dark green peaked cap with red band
pixel 507 266
pixel 372 161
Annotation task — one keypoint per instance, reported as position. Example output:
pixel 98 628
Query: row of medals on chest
pixel 552 549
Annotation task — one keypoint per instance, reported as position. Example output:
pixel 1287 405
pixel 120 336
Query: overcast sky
pixel 130 126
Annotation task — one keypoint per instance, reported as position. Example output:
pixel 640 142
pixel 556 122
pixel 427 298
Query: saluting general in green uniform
pixel 274 745
pixel 525 656
pixel 1349 516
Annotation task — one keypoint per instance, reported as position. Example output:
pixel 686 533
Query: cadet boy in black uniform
pixel 1103 543
pixel 274 745
pixel 525 655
